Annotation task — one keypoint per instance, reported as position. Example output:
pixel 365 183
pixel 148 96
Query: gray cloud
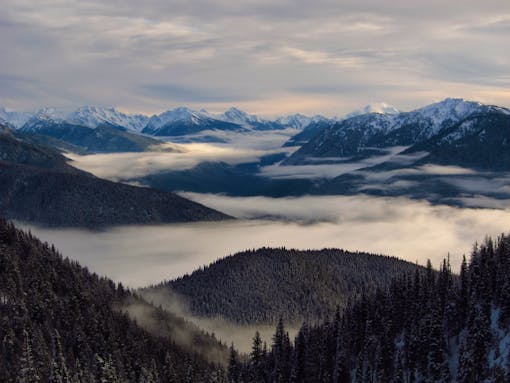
pixel 183 93
pixel 267 57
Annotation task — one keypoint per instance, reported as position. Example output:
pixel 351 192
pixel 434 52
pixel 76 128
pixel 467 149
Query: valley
pixel 210 228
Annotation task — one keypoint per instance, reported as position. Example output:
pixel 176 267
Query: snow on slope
pixel 92 116
pixel 16 119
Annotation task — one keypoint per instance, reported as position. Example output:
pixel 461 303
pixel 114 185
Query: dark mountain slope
pixel 426 327
pixel 59 323
pixel 62 199
pixel 309 132
pixel 220 177
pixel 37 185
pixel 479 142
pixel 106 138
pixel 358 136
pixel 263 285
pixel 15 150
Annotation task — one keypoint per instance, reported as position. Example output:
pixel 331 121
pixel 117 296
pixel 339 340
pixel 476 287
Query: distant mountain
pixel 381 108
pixel 312 129
pixel 220 177
pixel 18 151
pixel 38 186
pixel 263 285
pixel 94 116
pixel 179 122
pixel 252 121
pixel 184 121
pixel 16 119
pixel 359 135
pixel 105 138
pixel 480 141
pixel 61 323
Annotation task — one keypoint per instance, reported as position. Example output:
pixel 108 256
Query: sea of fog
pixel 142 255
pixel 409 229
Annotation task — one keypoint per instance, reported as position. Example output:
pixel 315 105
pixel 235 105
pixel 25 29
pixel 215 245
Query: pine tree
pixel 108 374
pixel 256 358
pixel 59 371
pixel 233 366
pixel 27 372
pixel 169 374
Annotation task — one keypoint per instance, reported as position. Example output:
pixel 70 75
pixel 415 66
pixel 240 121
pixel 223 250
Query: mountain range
pixel 37 185
pixel 359 133
pixel 389 152
pixel 175 122
pixel 366 134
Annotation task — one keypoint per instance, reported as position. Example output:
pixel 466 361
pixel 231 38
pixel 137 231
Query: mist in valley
pixel 139 256
pixel 412 230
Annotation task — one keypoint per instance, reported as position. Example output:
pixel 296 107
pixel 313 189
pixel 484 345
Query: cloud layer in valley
pixel 264 56
pixel 412 230
pixel 128 166
pixel 143 255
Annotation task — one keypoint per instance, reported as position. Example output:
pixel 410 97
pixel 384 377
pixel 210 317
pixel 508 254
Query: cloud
pixel 129 166
pixel 184 93
pixel 412 230
pixel 257 54
pixel 226 331
pixel 331 170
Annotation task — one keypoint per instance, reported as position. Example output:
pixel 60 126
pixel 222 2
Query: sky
pixel 266 57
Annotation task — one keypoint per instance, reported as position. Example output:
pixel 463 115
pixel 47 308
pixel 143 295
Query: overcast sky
pixel 264 56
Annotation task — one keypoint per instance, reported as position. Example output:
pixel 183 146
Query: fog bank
pixel 412 230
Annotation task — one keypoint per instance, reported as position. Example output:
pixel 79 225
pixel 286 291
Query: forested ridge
pixel 37 185
pixel 59 323
pixel 261 286
pixel 425 327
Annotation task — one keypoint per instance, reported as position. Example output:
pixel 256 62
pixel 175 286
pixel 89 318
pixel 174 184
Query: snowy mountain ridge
pixel 377 116
pixel 358 134
pixel 92 116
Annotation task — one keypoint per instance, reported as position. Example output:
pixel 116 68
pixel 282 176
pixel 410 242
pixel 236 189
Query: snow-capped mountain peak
pixel 296 121
pixel 235 114
pixel 92 116
pixel 13 118
pixel 238 116
pixel 378 107
pixel 180 114
pixel 49 114
pixel 450 107
pixel 43 118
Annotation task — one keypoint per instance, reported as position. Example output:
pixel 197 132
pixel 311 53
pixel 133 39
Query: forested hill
pixel 263 285
pixel 38 186
pixel 58 323
pixel 426 327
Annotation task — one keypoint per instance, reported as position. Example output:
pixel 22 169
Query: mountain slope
pixel 359 135
pixel 104 138
pixel 37 185
pixel 16 119
pixel 263 285
pixel 61 199
pixel 239 117
pixel 183 121
pixel 93 116
pixel 312 129
pixel 479 142
pixel 427 327
pixel 16 150
pixel 61 323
